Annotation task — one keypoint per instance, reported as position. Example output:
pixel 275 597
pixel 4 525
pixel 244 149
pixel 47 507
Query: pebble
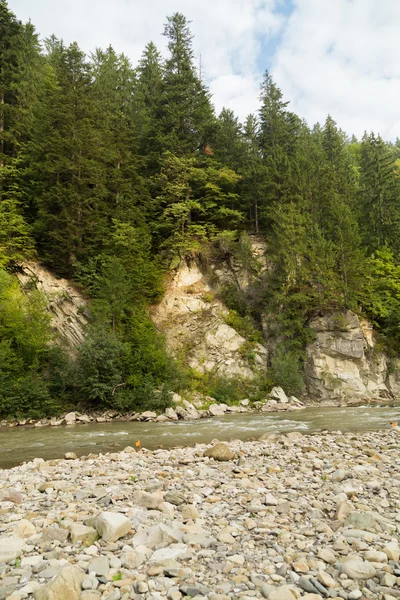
pixel 282 518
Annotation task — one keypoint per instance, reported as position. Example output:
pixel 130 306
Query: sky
pixel 337 57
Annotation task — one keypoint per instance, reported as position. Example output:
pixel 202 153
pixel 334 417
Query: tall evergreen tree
pixel 186 116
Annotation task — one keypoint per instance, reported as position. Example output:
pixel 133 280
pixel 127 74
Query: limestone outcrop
pixel 193 321
pixel 344 362
pixel 66 304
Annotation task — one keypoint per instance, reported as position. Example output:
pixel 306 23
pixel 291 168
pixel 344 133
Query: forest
pixel 112 173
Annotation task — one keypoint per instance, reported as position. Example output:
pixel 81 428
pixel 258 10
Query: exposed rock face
pixel 343 363
pixel 66 304
pixel 193 321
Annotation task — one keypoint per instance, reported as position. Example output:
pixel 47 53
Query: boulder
pixel 148 500
pixel 158 536
pixel 67 585
pixel 220 452
pixel 358 569
pixel 24 529
pixel 84 534
pixel 278 394
pixel 10 549
pixel 132 559
pixel 99 565
pixel 112 526
pixel 217 410
pixel 171 414
pixel 70 418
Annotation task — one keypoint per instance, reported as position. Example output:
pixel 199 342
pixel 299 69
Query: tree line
pixel 111 173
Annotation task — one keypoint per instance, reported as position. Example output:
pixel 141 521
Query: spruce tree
pixel 186 117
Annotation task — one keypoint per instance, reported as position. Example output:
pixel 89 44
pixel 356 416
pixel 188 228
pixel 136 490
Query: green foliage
pixel 286 371
pixel 245 326
pixel 381 298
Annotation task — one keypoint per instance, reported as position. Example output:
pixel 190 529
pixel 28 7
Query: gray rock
pixel 99 565
pixel 10 549
pixel 358 569
pixel 147 500
pixel 220 452
pixel 66 586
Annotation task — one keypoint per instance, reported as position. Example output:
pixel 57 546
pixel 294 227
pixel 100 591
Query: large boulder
pixel 220 452
pixel 67 585
pixel 112 526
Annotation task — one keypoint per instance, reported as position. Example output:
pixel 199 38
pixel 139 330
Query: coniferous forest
pixel 113 172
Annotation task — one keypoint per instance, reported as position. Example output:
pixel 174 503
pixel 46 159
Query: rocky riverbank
pixel 202 407
pixel 289 516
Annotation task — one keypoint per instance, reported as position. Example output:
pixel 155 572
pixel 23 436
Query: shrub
pixel 286 372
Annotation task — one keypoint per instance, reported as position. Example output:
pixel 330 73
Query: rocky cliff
pixel 194 323
pixel 344 362
pixel 66 304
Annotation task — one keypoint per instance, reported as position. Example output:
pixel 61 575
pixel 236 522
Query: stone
pixel 220 452
pixel 10 549
pixel 375 556
pixel 24 529
pixel 70 418
pixel 168 553
pixel 81 533
pixel 158 536
pixel 358 569
pixel 51 534
pixel 99 565
pixel 148 415
pixel 112 526
pixel 360 520
pixel 148 500
pixel 327 556
pixel 189 512
pixel 67 585
pixel 326 579
pixel 392 551
pixel 270 500
pixel 90 595
pixel 278 394
pixel 217 410
pixel 171 414
pixel 11 495
pixel 285 592
pixel 175 498
pixel 132 559
pixel 70 456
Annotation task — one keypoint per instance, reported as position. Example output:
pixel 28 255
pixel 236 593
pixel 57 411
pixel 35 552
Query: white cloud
pixel 342 57
pixel 225 35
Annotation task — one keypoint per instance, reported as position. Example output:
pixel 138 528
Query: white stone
pixel 112 526
pixel 10 549
pixel 168 553
pixel 278 394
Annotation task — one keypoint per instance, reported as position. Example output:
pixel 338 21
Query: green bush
pixel 245 326
pixel 286 372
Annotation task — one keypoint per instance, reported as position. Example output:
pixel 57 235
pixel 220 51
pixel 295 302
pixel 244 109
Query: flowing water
pixel 21 444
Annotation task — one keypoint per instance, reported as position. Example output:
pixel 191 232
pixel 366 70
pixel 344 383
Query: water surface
pixel 21 444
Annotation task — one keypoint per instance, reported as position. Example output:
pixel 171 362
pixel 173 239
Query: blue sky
pixel 328 56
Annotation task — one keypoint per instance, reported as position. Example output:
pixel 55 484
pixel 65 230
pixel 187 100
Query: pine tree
pixel 186 117
pixel 378 196
pixel 65 157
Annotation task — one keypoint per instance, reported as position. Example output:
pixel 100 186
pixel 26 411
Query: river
pixel 21 444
